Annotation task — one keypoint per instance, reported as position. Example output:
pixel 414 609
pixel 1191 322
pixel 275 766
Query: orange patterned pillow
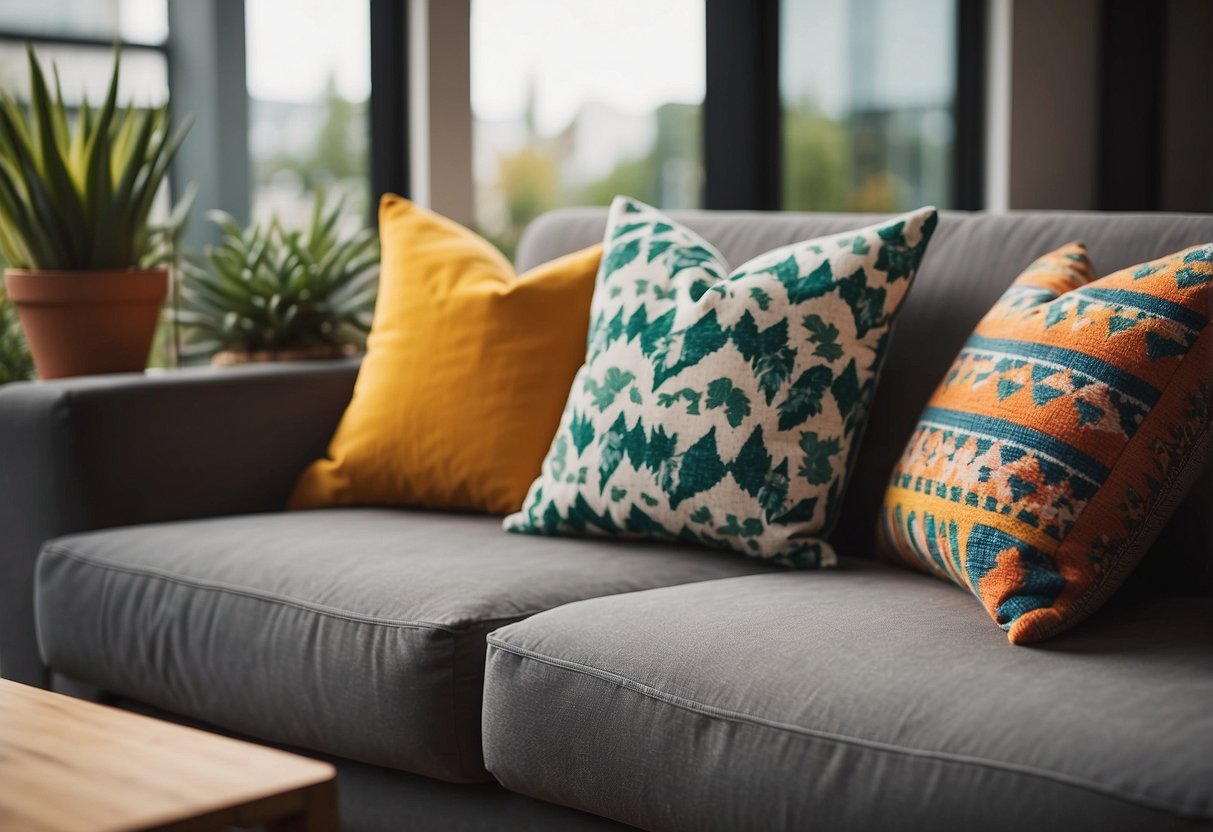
pixel 1061 439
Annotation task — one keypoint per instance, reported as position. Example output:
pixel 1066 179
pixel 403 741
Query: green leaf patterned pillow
pixel 723 407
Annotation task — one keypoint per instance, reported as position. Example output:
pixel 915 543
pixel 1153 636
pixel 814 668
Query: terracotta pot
pixel 231 358
pixel 90 321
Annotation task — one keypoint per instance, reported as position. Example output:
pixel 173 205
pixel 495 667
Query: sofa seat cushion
pixel 359 633
pixel 863 698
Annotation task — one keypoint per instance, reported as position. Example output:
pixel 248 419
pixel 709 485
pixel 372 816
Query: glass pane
pixel 308 119
pixel 137 21
pixel 576 102
pixel 85 71
pixel 868 89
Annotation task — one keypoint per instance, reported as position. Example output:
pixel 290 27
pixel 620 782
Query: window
pixel 85 71
pixel 132 21
pixel 74 39
pixel 868 90
pixel 573 103
pixel 76 36
pixel 308 65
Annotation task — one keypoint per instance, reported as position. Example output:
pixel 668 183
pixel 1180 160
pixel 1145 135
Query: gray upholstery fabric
pixel 971 260
pixel 87 453
pixel 358 633
pixel 865 698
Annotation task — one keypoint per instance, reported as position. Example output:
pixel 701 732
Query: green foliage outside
pixel 339 153
pixel 531 184
pixel 816 161
pixel 641 178
pixel 829 164
pixel 874 162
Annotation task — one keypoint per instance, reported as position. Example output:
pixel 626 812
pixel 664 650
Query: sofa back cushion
pixel 972 259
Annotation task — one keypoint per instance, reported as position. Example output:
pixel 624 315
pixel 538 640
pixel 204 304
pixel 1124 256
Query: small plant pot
pixel 87 322
pixel 232 358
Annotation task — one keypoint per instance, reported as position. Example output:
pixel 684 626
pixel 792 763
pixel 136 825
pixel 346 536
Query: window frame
pixel 742 117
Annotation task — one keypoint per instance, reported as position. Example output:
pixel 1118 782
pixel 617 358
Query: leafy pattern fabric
pixel 723 407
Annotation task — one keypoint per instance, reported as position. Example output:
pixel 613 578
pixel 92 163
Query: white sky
pixel 294 45
pixel 632 54
pixel 145 21
pixel 907 57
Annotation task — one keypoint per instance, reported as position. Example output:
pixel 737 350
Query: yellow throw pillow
pixel 466 372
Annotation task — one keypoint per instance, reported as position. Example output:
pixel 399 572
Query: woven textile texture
pixel 1071 424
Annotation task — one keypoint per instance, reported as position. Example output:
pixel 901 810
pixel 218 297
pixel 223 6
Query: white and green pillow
pixel 723 407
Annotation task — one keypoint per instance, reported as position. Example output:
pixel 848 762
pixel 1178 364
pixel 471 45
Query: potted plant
pixel 264 293
pixel 75 196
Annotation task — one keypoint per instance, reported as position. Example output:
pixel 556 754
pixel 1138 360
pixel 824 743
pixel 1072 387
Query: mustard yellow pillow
pixel 466 372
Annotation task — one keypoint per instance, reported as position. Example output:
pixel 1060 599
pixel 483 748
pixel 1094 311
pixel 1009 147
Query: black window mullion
pixel 968 148
pixel 389 99
pixel 51 39
pixel 1131 87
pixel 741 109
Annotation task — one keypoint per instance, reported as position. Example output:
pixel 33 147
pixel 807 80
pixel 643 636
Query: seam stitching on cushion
pixel 218 586
pixel 1105 585
pixel 942 756
pixel 1169 500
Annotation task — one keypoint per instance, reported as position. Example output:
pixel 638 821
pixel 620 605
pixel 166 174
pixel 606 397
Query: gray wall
pixel 1044 107
pixel 1054 103
pixel 1187 142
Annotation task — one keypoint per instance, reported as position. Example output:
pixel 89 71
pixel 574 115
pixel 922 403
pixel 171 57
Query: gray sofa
pixel 463 678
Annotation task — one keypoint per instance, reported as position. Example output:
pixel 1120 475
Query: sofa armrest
pixel 91 453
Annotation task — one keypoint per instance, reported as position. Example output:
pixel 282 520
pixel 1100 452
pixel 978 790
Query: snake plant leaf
pixel 122 138
pixel 15 214
pixel 30 188
pixel 75 155
pixel 130 150
pixel 160 161
pixel 107 248
pixel 76 193
pixel 59 187
pixel 59 118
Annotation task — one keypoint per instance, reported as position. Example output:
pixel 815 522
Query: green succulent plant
pixel 265 289
pixel 75 193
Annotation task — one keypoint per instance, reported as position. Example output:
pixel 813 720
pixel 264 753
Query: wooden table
pixel 67 765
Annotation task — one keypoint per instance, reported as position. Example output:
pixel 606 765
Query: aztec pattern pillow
pixel 718 407
pixel 1060 440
